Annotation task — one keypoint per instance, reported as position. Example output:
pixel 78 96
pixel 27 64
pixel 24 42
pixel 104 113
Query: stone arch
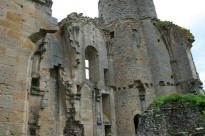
pixel 92 66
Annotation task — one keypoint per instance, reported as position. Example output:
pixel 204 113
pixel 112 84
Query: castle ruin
pixel 84 76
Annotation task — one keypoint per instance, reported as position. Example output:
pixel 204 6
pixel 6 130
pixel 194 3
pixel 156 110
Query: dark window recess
pixel 161 83
pixel 147 85
pixel 142 97
pixel 134 30
pixel 35 82
pixel 112 34
pixel 193 83
pixel 78 88
pixel 106 77
pixel 131 86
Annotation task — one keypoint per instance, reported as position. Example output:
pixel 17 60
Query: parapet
pixel 113 10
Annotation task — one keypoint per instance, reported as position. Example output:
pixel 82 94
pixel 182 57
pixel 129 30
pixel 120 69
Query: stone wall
pixel 85 40
pixel 115 10
pixel 175 117
pixel 19 19
pixel 43 85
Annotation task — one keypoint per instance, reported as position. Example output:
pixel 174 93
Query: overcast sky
pixel 186 13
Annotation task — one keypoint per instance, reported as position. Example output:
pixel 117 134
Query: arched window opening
pixel 91 64
pixel 136 122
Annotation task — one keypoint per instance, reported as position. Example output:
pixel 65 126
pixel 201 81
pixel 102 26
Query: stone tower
pixel 114 10
pixel 149 59
pixel 84 76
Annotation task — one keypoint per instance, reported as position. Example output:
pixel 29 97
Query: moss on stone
pixel 166 25
pixel 188 35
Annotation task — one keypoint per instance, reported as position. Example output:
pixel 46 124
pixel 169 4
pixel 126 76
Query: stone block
pixel 20 95
pixel 2 51
pixel 6 60
pixel 5 89
pixel 11 52
pixel 29 11
pixel 6 102
pixel 25 42
pixel 7 75
pixel 19 105
pixel 9 24
pixel 17 117
pixel 4 116
pixel 14 33
pixel 4 128
pixel 14 17
pixel 17 129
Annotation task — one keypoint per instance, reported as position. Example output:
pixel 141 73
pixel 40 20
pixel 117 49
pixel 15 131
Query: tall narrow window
pixel 106 77
pixel 142 98
pixel 106 108
pixel 87 72
pixel 91 64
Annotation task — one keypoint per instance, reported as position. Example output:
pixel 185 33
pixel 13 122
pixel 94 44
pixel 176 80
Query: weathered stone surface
pixel 178 119
pixel 84 76
pixel 112 10
pixel 6 102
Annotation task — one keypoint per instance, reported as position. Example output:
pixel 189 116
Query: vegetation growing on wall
pixel 166 25
pixel 188 35
pixel 190 99
pixel 163 24
pixel 65 25
pixel 12 134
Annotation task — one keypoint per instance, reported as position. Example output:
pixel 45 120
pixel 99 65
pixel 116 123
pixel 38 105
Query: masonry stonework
pixel 84 76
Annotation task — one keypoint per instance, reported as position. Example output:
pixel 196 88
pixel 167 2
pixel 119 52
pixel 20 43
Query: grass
pixel 191 99
pixel 166 25
pixel 12 134
pixel 163 24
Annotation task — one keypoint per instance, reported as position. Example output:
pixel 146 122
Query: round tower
pixel 113 10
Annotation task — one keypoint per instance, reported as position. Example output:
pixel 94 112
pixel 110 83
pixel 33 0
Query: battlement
pixel 113 10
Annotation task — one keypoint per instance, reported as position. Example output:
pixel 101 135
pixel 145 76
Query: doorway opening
pixel 136 122
pixel 108 131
